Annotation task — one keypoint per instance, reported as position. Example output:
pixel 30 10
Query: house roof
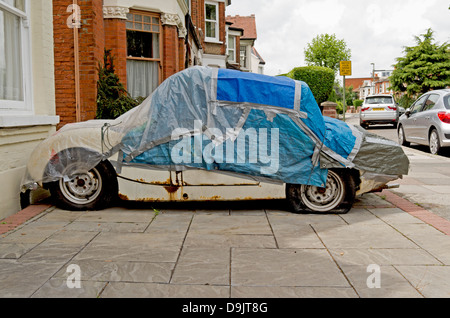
pixel 247 23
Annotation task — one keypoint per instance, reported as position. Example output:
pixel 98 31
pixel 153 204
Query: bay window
pixel 143 53
pixel 14 56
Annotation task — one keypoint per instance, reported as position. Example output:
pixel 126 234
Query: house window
pixel 212 21
pixel 144 53
pixel 14 56
pixel 231 49
pixel 243 51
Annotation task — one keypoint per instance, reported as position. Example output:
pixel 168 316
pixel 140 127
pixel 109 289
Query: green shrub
pixel 113 99
pixel 339 107
pixel 319 79
pixel 358 102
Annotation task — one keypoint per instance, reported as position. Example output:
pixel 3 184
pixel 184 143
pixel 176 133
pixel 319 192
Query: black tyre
pixel 434 142
pixel 95 189
pixel 337 197
pixel 401 137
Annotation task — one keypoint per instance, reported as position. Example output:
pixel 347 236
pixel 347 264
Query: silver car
pixel 427 121
pixel 379 109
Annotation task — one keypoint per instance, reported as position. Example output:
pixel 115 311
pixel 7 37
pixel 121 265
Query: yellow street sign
pixel 345 68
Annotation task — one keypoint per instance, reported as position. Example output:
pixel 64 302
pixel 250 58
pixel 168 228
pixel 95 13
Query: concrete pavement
pixel 392 244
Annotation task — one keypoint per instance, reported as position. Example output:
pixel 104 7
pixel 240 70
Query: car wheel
pixel 401 137
pixel 95 189
pixel 337 197
pixel 434 142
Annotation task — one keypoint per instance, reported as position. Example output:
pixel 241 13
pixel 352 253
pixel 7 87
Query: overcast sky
pixel 375 31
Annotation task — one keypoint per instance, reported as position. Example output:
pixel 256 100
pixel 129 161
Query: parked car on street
pixel 427 121
pixel 216 135
pixel 379 109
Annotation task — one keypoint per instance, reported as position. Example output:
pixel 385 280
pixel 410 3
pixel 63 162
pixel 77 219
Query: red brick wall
pixel 170 51
pixel 64 63
pixel 116 41
pixel 91 50
pixel 92 46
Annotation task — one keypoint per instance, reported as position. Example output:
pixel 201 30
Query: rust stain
pixel 171 189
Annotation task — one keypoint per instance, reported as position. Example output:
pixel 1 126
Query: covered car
pixel 216 134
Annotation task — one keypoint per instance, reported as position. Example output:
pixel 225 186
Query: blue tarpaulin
pixel 264 127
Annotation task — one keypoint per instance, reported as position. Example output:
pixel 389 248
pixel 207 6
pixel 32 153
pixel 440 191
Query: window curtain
pixel 142 77
pixel 11 81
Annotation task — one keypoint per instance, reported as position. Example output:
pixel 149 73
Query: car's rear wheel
pixel 401 137
pixel 434 142
pixel 95 189
pixel 337 196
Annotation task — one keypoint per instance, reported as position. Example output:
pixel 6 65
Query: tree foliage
pixel 112 98
pixel 319 79
pixel 327 51
pixel 424 67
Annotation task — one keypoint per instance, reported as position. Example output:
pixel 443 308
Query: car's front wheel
pixel 401 137
pixel 95 189
pixel 337 196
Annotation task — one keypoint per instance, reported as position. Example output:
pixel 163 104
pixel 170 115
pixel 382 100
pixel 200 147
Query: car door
pixel 423 118
pixel 409 124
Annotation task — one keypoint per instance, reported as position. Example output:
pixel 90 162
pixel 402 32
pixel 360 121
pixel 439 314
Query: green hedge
pixel 319 79
pixel 358 102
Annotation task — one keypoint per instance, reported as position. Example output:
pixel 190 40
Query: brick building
pixel 249 59
pixel 150 41
pixel 27 91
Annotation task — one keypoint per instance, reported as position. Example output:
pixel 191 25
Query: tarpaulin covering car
pixel 268 129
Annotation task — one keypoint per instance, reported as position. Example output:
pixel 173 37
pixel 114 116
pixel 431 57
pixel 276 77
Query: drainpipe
pixel 76 26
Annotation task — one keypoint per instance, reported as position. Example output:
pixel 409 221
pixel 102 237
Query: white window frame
pixel 216 22
pixel 11 107
pixel 231 57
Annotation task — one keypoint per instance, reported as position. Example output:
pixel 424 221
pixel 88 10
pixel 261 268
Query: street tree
pixel 327 51
pixel 423 67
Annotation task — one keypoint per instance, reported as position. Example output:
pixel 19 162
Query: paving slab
pixel 231 252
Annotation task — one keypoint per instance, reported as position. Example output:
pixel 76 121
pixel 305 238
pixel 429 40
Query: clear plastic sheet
pixel 205 112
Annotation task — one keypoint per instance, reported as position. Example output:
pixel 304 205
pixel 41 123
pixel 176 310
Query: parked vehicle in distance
pixel 216 135
pixel 427 121
pixel 379 109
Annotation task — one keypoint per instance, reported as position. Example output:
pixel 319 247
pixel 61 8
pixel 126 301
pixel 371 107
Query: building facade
pixel 149 40
pixel 366 86
pixel 27 90
pixel 249 58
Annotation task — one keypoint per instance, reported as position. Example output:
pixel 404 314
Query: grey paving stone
pixel 362 236
pixel 203 266
pixel 109 271
pixel 58 288
pixel 291 292
pixel 387 283
pixel 150 290
pixel 383 256
pixel 430 281
pixel 284 267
